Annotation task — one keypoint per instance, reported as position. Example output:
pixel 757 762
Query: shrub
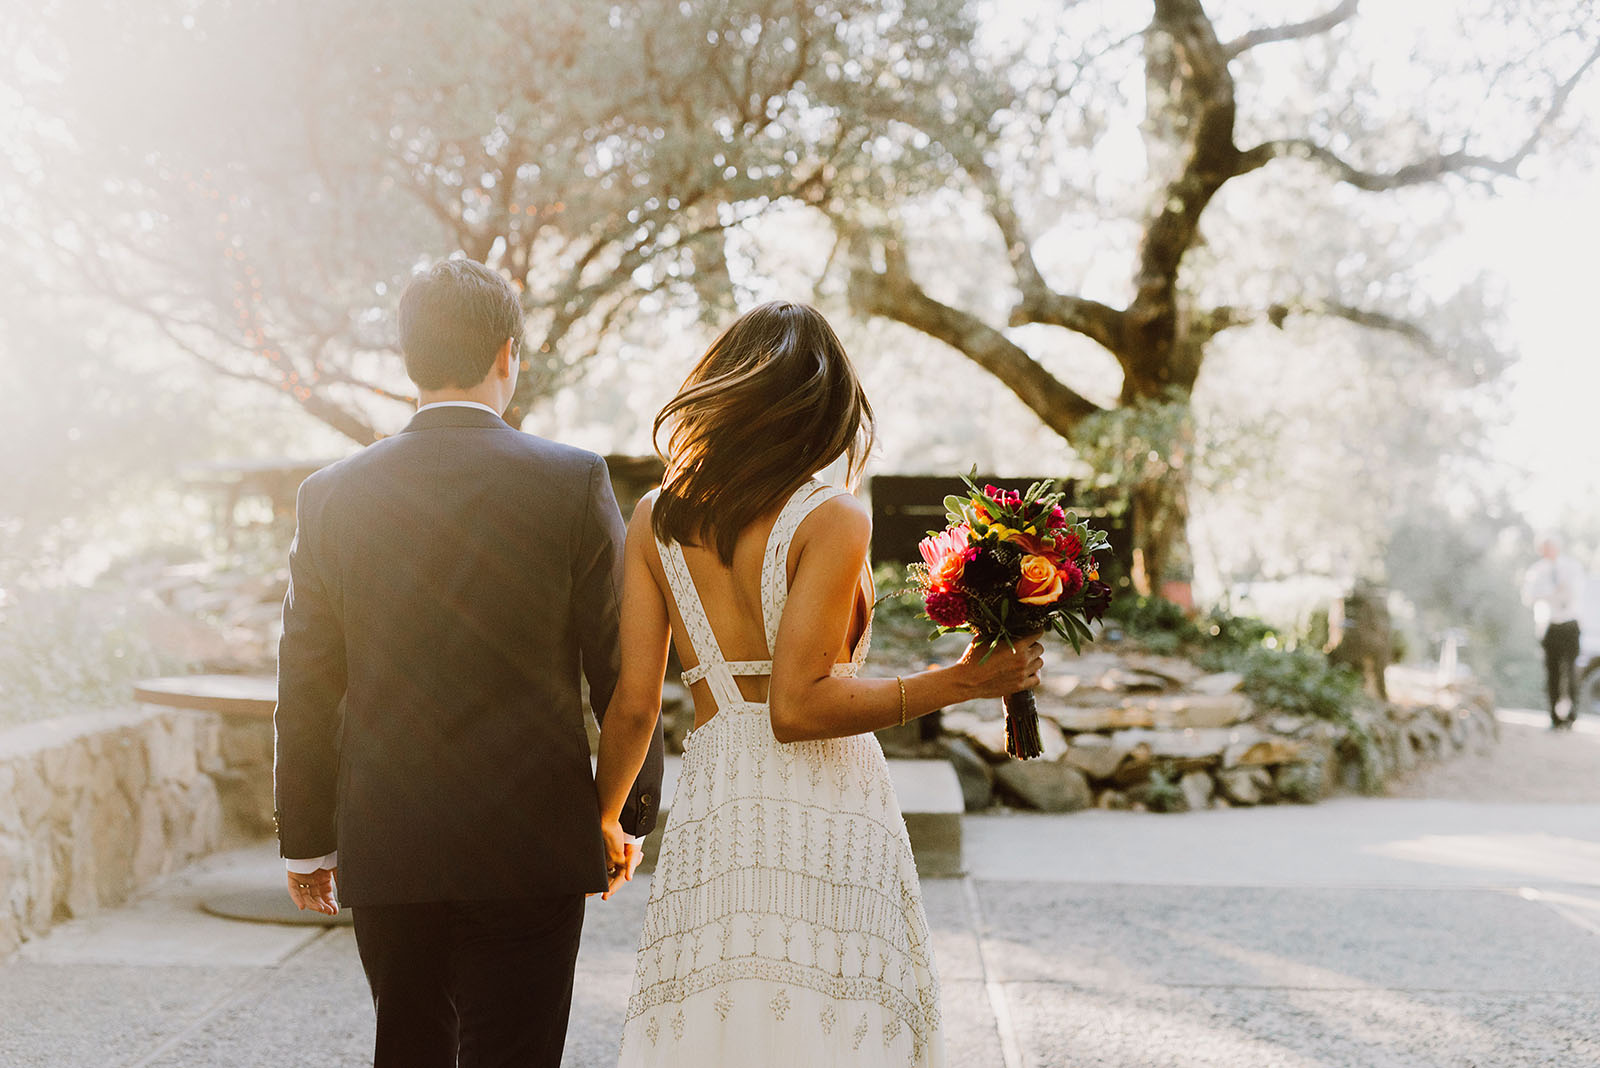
pixel 70 649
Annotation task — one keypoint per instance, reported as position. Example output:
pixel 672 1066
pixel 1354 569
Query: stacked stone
pixel 1134 731
pixel 94 807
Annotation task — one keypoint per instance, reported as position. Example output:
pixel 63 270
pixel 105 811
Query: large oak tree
pixel 1215 109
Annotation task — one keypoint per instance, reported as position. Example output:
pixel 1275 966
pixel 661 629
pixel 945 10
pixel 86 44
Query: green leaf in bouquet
pixel 955 508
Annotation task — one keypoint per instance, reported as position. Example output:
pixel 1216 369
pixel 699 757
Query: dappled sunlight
pixel 1537 856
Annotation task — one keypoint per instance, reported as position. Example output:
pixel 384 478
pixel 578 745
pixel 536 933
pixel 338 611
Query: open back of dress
pixel 785 924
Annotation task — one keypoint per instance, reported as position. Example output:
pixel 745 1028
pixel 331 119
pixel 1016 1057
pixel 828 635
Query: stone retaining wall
pixel 94 807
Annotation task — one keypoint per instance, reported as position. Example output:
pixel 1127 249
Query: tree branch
pixel 1226 317
pixel 1424 170
pixel 1292 31
pixel 1040 303
pixel 891 292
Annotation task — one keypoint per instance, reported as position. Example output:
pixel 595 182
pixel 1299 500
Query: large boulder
pixel 973 772
pixel 1046 785
pixel 1197 789
pixel 1098 755
pixel 1223 682
pixel 1246 785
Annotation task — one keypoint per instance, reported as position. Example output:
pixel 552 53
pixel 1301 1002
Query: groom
pixel 447 586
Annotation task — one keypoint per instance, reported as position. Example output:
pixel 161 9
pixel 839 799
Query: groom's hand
pixel 315 891
pixel 622 857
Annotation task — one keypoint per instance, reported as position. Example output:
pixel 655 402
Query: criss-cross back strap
pixel 710 665
pixel 774 565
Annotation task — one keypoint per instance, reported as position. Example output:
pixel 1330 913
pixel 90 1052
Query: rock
pixel 1134 767
pixel 1267 749
pixel 1060 685
pixel 973 772
pixel 1204 744
pixel 1045 785
pixel 33 796
pixel 1120 680
pixel 1113 800
pixel 988 734
pixel 1052 743
pixel 1181 711
pixel 1289 725
pixel 1097 755
pixel 1079 718
pixel 1197 789
pixel 1223 682
pixel 1244 786
pixel 246 743
pixel 1172 669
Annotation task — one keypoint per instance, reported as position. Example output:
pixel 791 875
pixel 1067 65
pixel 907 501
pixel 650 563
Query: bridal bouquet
pixel 1008 565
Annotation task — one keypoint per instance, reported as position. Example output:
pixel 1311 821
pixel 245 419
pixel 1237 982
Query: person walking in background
pixel 1554 587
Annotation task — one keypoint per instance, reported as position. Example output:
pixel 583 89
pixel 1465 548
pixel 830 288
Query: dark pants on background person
pixel 1561 668
pixel 474 984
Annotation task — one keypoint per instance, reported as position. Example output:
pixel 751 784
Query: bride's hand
pixel 622 856
pixel 1004 671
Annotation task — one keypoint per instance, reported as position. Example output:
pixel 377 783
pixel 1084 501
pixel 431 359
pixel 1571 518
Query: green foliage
pixel 1137 444
pixel 899 605
pixel 1156 623
pixel 1299 681
pixel 1161 793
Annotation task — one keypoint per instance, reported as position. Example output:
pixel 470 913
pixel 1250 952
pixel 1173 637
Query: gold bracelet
pixel 902 683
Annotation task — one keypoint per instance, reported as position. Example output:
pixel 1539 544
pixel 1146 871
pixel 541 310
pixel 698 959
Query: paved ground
pixel 1383 932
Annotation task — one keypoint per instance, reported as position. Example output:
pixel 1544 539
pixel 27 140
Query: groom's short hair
pixel 453 319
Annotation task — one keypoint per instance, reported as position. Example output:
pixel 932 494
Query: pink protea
pixel 935 547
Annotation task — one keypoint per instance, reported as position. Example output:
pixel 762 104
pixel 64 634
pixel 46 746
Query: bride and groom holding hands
pixel 453 586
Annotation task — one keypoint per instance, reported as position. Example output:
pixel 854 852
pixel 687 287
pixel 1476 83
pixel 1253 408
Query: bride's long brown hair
pixel 773 401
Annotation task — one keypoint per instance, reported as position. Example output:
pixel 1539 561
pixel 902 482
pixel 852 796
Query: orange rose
pixel 947 572
pixel 1040 582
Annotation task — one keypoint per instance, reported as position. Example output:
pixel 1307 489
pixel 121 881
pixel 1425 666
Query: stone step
pixel 930 798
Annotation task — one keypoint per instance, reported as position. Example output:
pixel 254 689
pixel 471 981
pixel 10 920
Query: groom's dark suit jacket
pixel 447 586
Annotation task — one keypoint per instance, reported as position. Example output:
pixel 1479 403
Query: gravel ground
pixel 1532 763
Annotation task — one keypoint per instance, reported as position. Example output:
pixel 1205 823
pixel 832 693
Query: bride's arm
pixel 630 719
pixel 807 701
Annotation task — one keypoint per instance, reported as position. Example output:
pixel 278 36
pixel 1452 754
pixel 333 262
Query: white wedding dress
pixel 785 924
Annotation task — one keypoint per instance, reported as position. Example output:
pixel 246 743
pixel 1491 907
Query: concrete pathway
pixel 1360 932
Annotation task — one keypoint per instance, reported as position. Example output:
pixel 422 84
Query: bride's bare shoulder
pixel 841 521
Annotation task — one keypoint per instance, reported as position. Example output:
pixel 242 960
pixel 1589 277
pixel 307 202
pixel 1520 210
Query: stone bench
pixel 243 705
pixel 930 798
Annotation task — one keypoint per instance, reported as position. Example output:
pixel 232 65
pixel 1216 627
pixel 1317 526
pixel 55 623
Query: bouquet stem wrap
pixel 1022 725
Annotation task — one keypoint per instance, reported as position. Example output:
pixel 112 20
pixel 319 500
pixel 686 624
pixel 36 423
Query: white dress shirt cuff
pixel 306 867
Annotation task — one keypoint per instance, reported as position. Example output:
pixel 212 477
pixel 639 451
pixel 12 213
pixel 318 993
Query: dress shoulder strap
pixel 774 564
pixel 710 663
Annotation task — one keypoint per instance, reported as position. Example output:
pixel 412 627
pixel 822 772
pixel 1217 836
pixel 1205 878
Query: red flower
pixel 1071 578
pixel 1067 546
pixel 947 608
pixel 1058 518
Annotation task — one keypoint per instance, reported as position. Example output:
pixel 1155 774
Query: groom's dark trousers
pixel 450 589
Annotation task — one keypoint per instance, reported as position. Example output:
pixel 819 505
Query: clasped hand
pixel 622 857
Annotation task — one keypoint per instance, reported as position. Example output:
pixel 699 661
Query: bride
pixel 785 924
